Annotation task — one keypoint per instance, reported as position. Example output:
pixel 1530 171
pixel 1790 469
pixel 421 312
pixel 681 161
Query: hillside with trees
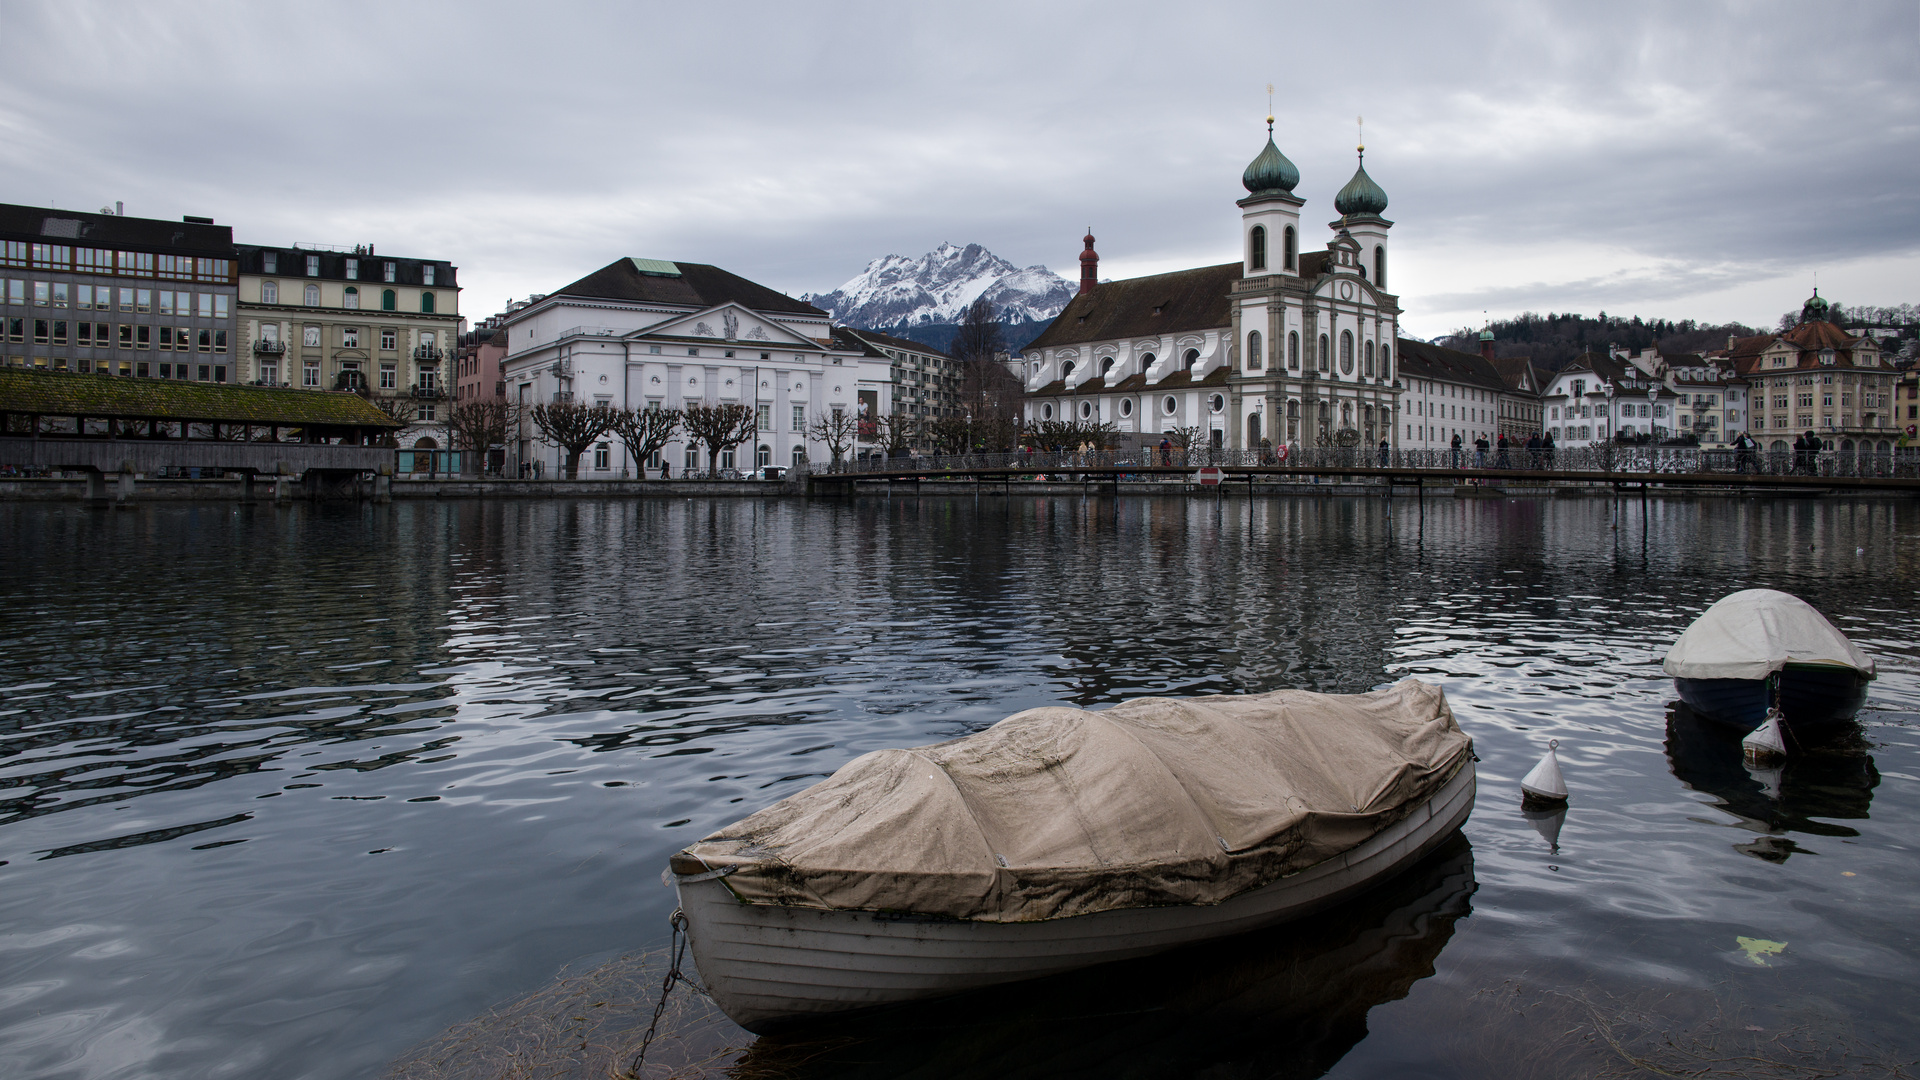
pixel 1554 339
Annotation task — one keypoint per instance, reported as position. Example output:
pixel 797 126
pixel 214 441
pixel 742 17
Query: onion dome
pixel 1814 310
pixel 1270 173
pixel 1361 195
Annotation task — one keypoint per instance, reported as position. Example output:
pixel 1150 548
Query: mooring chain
pixel 677 950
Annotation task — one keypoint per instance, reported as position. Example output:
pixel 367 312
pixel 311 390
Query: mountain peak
pixel 939 286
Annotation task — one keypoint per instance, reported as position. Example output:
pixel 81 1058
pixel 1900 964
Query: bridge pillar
pixel 123 488
pixel 383 485
pixel 96 487
pixel 246 487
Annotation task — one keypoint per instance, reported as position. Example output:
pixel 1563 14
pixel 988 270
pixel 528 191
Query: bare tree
pixel 719 427
pixel 838 430
pixel 895 433
pixel 571 427
pixel 951 435
pixel 478 426
pixel 979 338
pixel 401 410
pixel 645 432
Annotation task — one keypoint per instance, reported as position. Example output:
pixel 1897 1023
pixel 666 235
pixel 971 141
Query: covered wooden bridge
pixel 117 429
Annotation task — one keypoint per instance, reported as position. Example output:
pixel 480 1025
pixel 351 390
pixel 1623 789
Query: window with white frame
pixel 313 266
pixel 311 296
pixel 799 418
pixel 310 373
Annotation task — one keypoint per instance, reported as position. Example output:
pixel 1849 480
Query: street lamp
pixel 1653 396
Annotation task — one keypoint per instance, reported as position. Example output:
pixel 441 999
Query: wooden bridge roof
pixel 56 393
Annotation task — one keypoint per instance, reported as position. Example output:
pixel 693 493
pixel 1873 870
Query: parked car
pixel 770 472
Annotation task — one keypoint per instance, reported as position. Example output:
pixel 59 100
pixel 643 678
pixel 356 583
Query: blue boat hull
pixel 1809 696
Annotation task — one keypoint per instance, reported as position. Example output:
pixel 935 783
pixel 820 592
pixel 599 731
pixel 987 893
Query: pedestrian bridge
pixel 1636 467
pixel 116 429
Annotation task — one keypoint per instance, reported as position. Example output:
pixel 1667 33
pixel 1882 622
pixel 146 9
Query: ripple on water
pixel 324 780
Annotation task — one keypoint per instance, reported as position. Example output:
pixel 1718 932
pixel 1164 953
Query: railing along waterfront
pixel 1626 460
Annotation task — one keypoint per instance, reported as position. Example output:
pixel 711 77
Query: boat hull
pixel 1809 696
pixel 769 966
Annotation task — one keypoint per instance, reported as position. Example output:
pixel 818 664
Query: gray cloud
pixel 1704 145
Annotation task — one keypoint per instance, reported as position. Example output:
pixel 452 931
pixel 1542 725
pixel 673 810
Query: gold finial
pixel 1360 130
pixel 1269 108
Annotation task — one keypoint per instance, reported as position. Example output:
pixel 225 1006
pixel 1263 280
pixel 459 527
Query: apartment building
pixel 109 294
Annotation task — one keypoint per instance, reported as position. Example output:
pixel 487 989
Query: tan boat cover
pixel 1755 632
pixel 1056 812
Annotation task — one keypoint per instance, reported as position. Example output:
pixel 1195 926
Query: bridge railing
pixel 1587 459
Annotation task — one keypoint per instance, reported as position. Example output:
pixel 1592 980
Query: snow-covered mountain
pixel 939 286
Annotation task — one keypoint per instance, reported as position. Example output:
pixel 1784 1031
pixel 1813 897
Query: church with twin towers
pixel 1285 347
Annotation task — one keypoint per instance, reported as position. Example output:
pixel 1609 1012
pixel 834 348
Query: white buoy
pixel 1544 782
pixel 1765 743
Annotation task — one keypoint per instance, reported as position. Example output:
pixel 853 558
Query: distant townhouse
pixel 649 333
pixel 1449 394
pixel 332 319
pixel 1598 397
pixel 106 293
pixel 1817 377
pixel 477 357
pixel 1521 413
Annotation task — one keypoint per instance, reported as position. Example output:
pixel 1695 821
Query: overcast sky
pixel 1690 160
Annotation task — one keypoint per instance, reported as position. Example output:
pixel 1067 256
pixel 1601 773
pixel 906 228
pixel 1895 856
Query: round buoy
pixel 1545 784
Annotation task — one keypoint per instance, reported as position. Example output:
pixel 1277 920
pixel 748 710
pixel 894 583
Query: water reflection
pixel 1832 779
pixel 1289 1002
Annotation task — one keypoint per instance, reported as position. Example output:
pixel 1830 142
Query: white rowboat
pixel 778 944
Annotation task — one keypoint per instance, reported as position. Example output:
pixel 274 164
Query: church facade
pixel 1284 347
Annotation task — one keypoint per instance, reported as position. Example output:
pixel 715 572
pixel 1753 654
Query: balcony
pixel 264 347
pixel 561 369
pixel 428 353
pixel 563 397
pixel 424 393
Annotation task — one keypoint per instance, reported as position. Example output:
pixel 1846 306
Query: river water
pixel 285 791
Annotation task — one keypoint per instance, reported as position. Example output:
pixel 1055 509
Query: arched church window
pixel 1369 359
pixel 1346 352
pixel 1380 265
pixel 1293 406
pixel 1257 248
pixel 1293 349
pixel 1386 362
pixel 1253 351
pixel 1193 359
pixel 1323 352
pixel 1146 361
pixel 1106 365
pixel 1286 249
pixel 1066 369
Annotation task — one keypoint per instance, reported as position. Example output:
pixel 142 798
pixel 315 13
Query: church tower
pixel 1360 204
pixel 1270 214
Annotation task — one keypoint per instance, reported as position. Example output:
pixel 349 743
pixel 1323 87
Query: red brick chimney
pixel 1089 265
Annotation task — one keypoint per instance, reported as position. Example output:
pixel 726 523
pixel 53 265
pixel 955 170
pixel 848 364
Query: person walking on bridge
pixel 1480 452
pixel 1501 459
pixel 1456 449
pixel 1533 451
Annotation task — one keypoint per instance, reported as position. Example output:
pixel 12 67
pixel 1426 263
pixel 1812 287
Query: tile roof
pixel 888 340
pixel 697 286
pixel 1420 360
pixel 1511 368
pixel 112 230
pixel 56 393
pixel 1182 301
pixel 1808 340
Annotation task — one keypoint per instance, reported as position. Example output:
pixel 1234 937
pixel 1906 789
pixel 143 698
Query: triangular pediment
pixel 728 324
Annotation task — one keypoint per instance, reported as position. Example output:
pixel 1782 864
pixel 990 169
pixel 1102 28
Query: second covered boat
pixel 1060 838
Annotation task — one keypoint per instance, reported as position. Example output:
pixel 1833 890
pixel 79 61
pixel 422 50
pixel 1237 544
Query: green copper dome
pixel 1271 172
pixel 1361 195
pixel 1814 310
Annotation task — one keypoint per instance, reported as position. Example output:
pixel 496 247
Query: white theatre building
pixel 641 333
pixel 1286 346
